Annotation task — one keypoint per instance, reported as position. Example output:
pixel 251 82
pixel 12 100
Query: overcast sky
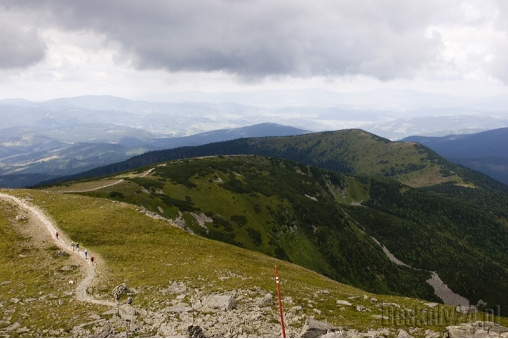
pixel 147 49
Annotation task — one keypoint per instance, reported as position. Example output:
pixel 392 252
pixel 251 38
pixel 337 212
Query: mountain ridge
pixel 349 151
pixel 485 151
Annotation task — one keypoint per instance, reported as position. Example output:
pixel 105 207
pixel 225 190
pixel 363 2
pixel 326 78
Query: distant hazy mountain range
pixel 70 135
pixel 486 152
pixel 27 156
pixel 393 114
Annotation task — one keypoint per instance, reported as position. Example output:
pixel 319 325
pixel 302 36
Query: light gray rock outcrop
pixel 314 329
pixel 221 302
pixel 477 329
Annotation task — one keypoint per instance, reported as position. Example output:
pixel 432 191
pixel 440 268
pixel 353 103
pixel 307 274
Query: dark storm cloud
pixel 254 39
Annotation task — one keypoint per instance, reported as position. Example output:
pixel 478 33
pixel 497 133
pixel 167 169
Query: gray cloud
pixel 256 39
pixel 498 68
pixel 19 46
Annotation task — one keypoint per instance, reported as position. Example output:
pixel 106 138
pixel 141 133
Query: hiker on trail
pixel 129 300
pixel 86 254
pixel 56 235
pixel 77 246
pixel 73 244
pixel 92 259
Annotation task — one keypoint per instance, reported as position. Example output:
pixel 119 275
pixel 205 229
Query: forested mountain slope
pixel 324 221
pixel 347 151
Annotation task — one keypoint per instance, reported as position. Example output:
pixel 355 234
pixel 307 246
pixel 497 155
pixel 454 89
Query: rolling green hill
pixel 324 221
pixel 347 151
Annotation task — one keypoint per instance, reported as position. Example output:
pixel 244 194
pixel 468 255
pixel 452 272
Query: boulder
pixel 344 302
pixel 266 300
pixel 120 289
pixel 314 329
pixel 221 302
pixel 127 312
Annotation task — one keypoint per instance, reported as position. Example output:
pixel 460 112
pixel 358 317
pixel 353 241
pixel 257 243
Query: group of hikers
pixel 75 246
pixel 117 299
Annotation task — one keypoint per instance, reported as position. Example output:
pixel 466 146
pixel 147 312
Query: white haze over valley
pixel 394 68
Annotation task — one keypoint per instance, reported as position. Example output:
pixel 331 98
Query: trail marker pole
pixel 280 302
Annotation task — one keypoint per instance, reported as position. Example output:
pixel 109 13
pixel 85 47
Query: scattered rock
pixel 403 334
pixel 94 317
pixel 62 254
pixel 466 309
pixel 113 311
pixel 21 217
pixel 432 334
pixel 13 327
pixel 361 308
pixel 23 330
pixel 477 329
pixel 379 316
pixel 344 302
pixel 104 332
pixel 287 300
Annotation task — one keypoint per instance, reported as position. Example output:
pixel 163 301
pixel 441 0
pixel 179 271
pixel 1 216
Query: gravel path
pixel 63 243
pixel 92 189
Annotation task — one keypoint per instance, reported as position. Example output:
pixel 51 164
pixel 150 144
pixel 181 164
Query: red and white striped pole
pixel 280 302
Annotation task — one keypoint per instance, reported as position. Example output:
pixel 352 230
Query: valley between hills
pixel 356 224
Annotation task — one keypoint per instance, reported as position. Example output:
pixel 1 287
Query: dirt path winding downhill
pixel 142 175
pixel 62 243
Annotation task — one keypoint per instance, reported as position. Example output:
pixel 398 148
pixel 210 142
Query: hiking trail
pixel 63 243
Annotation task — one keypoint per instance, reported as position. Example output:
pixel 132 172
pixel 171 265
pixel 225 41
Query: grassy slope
pixel 366 154
pixel 149 254
pixel 268 205
pixel 465 245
